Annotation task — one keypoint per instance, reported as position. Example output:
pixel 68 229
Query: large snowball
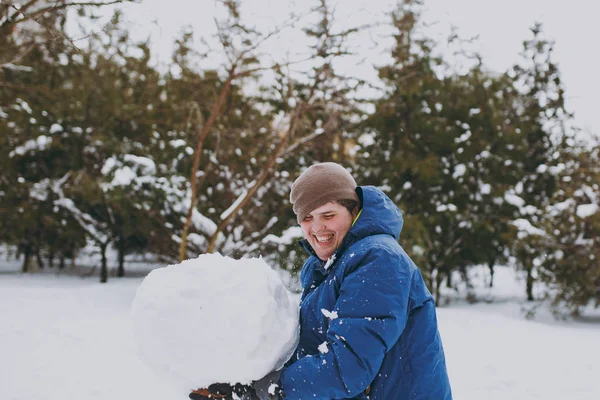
pixel 214 319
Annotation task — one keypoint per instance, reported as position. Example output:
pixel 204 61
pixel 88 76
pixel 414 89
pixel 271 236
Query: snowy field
pixel 63 337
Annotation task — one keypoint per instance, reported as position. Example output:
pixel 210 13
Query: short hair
pixel 349 204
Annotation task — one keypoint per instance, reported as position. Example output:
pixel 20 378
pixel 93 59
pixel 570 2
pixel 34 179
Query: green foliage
pixel 438 147
pixel 97 144
pixel 569 264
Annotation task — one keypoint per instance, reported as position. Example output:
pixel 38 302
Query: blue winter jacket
pixel 368 323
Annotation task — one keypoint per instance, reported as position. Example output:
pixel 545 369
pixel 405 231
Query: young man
pixel 368 322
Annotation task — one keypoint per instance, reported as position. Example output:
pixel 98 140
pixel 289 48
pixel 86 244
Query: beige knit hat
pixel 320 184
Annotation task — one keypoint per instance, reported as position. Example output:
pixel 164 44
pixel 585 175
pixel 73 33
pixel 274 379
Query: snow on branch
pixel 289 236
pixel 14 67
pixel 86 221
pixel 527 229
pixel 240 198
pixel 41 143
pixel 203 223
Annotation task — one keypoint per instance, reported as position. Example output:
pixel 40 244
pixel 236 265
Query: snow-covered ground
pixel 63 337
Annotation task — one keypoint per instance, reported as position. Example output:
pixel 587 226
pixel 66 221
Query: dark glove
pixel 269 387
pixel 224 391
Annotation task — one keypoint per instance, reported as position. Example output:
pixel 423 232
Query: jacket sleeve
pixel 369 316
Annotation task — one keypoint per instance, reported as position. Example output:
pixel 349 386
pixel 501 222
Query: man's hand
pixel 269 387
pixel 224 391
pixel 204 394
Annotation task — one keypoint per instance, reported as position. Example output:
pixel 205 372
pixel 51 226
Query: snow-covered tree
pixel 569 264
pixel 540 122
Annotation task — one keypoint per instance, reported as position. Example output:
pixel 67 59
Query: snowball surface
pixel 214 319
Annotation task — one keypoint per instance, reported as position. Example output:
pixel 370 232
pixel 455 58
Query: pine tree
pixel 569 266
pixel 81 114
pixel 539 117
pixel 431 138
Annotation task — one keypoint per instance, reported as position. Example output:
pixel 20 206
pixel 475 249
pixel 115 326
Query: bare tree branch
pixel 25 16
pixel 271 67
pixel 18 58
pixel 326 50
pixel 203 133
pixel 300 109
pixel 266 171
pixel 276 31
pixel 225 44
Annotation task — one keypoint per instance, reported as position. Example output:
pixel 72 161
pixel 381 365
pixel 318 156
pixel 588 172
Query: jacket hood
pixel 379 214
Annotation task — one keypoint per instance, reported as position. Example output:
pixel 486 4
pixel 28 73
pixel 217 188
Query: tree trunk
pixel 438 285
pixel 26 258
pixel 104 266
pixel 465 277
pixel 529 284
pixel 38 257
pixel 121 252
pixel 202 133
pixel 491 267
pixel 430 281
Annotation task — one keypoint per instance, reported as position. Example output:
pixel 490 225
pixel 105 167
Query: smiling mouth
pixel 322 239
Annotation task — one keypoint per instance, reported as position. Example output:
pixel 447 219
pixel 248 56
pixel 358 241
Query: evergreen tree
pixel 431 149
pixel 76 114
pixel 568 264
pixel 539 116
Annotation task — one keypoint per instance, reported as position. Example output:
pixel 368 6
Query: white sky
pixel 501 26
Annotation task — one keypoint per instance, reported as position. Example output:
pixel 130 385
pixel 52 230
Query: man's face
pixel 325 228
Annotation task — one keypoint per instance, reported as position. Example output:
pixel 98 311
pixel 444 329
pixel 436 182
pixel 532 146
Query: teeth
pixel 323 238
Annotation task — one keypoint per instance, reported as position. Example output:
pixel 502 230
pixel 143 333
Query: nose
pixel 318 225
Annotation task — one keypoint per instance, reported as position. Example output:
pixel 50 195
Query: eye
pixel 308 218
pixel 328 216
